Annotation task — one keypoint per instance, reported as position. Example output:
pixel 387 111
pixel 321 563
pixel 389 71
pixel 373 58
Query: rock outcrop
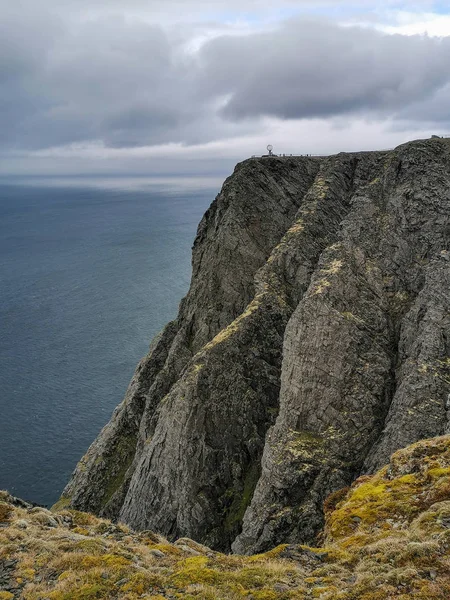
pixel 314 342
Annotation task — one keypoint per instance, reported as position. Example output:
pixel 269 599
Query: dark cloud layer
pixel 313 69
pixel 128 83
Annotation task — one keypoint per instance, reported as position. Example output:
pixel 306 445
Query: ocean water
pixel 89 273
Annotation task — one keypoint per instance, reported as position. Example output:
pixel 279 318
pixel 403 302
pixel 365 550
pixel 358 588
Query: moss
pixel 194 570
pixel 332 501
pixel 320 187
pixel 6 596
pixel 62 504
pixel 123 456
pixel 233 327
pixel 304 444
pixel 27 573
pixel 374 500
pixel 239 499
pixel 82 519
pixel 265 595
pixel 81 531
pixel 438 472
pixel 167 548
pixel 254 577
pixel 93 546
pixel 320 286
pixel 139 583
pixel 333 267
pixel 87 591
pixel 274 553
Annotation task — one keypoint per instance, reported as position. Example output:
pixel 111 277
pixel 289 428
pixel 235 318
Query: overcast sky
pixel 192 86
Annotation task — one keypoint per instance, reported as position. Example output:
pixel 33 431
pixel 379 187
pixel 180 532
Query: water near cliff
pixel 88 274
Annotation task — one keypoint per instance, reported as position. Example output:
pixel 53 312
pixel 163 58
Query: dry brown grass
pixel 5 512
pixel 387 537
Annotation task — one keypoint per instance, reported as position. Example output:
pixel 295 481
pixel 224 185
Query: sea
pixel 90 270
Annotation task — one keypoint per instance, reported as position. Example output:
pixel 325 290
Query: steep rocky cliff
pixel 314 342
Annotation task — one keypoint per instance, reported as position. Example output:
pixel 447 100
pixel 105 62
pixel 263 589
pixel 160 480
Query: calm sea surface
pixel 88 275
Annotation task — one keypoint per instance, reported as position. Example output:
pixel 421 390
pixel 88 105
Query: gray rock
pixel 281 588
pixel 301 554
pixel 191 544
pixel 355 339
pixel 313 343
pixel 234 239
pixel 188 550
pixel 46 519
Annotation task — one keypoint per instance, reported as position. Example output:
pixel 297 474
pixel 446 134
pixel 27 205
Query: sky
pixel 171 87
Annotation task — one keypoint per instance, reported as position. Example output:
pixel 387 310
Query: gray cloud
pixel 315 69
pixel 128 82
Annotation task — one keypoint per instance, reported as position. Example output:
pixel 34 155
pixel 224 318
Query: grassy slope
pixel 388 536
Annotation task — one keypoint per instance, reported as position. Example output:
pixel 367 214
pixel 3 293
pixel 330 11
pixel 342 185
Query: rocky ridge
pixel 313 343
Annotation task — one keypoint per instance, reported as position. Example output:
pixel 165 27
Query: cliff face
pixel 313 343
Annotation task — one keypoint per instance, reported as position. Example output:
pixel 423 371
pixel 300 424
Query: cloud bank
pixel 92 75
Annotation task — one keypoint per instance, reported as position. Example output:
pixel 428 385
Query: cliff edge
pixel 313 343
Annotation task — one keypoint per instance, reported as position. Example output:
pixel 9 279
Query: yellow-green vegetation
pixel 62 503
pixel 240 499
pixel 235 325
pixel 303 444
pixel 320 187
pixel 320 286
pixel 386 537
pixel 333 267
pixel 123 456
pixel 351 317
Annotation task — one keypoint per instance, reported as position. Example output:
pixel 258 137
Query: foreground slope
pixel 387 537
pixel 314 342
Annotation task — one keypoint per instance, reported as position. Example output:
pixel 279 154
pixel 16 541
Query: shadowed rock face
pixel 314 342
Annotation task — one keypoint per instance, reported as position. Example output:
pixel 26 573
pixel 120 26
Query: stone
pixel 46 519
pixel 39 509
pixel 299 554
pixel 281 588
pixel 188 550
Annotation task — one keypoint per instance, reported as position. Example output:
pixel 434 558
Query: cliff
pixel 314 342
pixel 388 536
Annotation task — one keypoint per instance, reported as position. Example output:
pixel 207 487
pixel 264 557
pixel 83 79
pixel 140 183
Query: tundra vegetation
pixel 386 536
